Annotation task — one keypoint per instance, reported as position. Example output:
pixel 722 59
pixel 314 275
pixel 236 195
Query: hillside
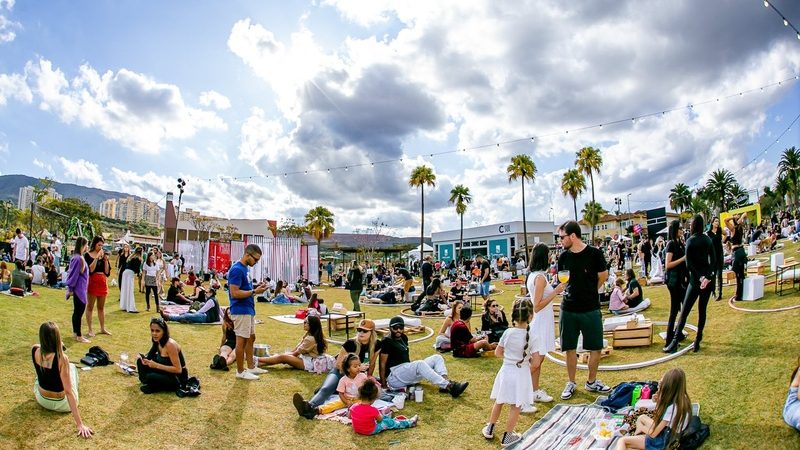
pixel 10 184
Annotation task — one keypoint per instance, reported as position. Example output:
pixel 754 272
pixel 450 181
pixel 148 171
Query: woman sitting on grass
pixel 442 342
pixel 791 409
pixel 5 277
pixel 493 321
pixel 463 343
pixel 56 385
pixel 227 355
pixel 280 297
pixel 163 368
pixel 367 420
pixel 309 355
pixel 617 304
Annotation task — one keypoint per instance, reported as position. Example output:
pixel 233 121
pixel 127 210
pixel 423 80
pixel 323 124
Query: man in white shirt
pixel 55 247
pixel 19 246
pixel 38 272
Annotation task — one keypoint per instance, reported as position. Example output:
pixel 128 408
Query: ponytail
pixel 525 349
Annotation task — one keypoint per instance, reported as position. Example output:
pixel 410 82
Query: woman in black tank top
pixel 163 368
pixel 736 227
pixel 227 354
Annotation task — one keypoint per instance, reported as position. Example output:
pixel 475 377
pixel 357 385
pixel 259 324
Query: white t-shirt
pixel 37 270
pixel 513 343
pixel 150 270
pixel 670 412
pixel 56 248
pixel 20 247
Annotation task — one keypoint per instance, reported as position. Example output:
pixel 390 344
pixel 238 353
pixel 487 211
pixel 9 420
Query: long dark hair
pixel 434 286
pixel 674 227
pixel 315 330
pixel 697 224
pixel 50 339
pixel 79 243
pixel 95 240
pixel 161 323
pixel 540 259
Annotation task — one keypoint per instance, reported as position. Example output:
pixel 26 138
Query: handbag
pixel 301 314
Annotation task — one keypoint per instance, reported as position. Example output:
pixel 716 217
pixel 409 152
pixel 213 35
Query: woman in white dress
pixel 133 266
pixel 543 325
pixel 442 342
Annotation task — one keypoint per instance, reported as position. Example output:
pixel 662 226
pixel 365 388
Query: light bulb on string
pixel 329 170
pixel 785 22
pixel 372 164
pixel 346 168
pixel 766 4
pixel 306 172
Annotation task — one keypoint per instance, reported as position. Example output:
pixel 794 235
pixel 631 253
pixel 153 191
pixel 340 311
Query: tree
pixel 522 168
pixel 319 224
pixel 771 201
pixel 421 176
pixel 202 224
pixel 592 213
pixel 59 213
pixel 680 197
pixel 588 160
pixel 739 196
pixel 460 197
pixel 698 205
pixel 573 184
pixel 41 189
pixel 719 189
pixel 288 228
pixel 783 187
pixel 789 169
pixel 227 232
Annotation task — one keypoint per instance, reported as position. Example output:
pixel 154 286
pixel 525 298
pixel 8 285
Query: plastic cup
pixel 418 395
pixel 563 276
pixel 399 401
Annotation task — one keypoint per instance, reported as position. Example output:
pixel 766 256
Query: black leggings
pixel 147 290
pixel 718 278
pixel 692 293
pixel 78 307
pixel 647 260
pixel 159 380
pixel 676 296
pixel 739 268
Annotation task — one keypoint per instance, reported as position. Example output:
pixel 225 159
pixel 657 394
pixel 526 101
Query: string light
pixel 539 136
pixel 786 22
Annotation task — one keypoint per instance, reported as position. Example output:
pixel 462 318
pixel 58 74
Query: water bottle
pixel 637 392
pixel 645 392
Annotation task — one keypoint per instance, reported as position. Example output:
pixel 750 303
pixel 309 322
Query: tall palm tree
pixel 698 205
pixel 522 168
pixel 738 193
pixel 460 197
pixel 573 184
pixel 789 168
pixel 421 176
pixel 319 224
pixel 680 197
pixel 589 160
pixel 592 212
pixel 719 189
pixel 783 187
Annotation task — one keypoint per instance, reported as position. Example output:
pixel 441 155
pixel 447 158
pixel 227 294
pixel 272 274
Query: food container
pixel 603 436
pixel 261 350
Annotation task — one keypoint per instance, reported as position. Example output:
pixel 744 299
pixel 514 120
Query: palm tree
pixel 588 160
pixel 789 168
pixel 460 197
pixel 420 176
pixel 737 193
pixel 573 184
pixel 522 168
pixel 319 224
pixel 719 189
pixel 592 213
pixel 680 197
pixel 783 187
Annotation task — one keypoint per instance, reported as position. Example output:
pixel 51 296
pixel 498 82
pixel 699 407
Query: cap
pixel 397 320
pixel 366 324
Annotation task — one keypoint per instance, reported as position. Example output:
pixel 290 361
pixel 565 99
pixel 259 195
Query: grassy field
pixel 740 379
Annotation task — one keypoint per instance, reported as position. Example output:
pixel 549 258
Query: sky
pixel 130 95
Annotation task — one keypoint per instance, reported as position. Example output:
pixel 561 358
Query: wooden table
pixel 334 317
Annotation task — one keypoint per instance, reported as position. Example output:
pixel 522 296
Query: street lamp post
pixel 629 203
pixel 181 185
pixel 618 204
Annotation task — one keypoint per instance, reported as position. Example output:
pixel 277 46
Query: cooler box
pixel 775 260
pixel 753 288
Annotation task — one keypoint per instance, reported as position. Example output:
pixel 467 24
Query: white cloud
pixel 130 108
pixel 14 86
pixel 83 172
pixel 215 100
pixel 7 26
pixel 191 154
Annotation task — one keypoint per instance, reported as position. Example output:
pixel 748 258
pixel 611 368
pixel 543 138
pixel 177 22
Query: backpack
pixel 96 357
pixel 694 435
pixel 622 393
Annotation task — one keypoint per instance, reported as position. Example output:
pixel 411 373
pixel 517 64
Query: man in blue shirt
pixel 243 311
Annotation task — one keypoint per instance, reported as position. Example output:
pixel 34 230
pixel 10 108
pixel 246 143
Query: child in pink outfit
pixel 367 420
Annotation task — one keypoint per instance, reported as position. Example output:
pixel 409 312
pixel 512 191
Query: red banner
pixel 219 256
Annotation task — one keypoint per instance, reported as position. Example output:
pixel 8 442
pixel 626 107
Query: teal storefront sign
pixel 498 247
pixel 446 253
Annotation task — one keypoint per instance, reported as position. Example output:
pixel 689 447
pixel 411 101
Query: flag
pixel 637 228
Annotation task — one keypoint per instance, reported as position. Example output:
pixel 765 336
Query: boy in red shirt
pixel 463 343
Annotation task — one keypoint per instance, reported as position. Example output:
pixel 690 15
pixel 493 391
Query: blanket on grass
pixel 341 415
pixel 565 426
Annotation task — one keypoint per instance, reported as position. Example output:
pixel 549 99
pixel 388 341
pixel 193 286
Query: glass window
pixel 482 243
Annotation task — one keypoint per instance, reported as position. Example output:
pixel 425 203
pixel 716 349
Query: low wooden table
pixel 337 321
pixel 640 335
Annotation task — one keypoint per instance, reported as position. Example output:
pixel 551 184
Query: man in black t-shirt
pixel 175 294
pixel 580 308
pixel 485 278
pixel 398 371
pixel 427 276
pixel 647 254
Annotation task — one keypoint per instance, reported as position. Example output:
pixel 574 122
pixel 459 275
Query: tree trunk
pixel 461 241
pixel 575 205
pixel 524 223
pixel 591 178
pixel 422 226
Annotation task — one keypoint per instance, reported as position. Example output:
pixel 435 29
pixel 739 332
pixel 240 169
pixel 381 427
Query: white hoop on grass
pixel 785 308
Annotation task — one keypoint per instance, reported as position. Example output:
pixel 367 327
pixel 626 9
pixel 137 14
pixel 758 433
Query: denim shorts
pixel 659 442
pixel 485 286
pixel 791 409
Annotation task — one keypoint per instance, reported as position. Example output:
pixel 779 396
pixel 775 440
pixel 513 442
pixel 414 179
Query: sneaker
pixel 597 386
pixel 542 397
pixel 488 431
pixel 569 389
pixel 257 371
pixel 528 409
pixel 413 420
pixel 246 375
pixel 510 439
pixel 457 388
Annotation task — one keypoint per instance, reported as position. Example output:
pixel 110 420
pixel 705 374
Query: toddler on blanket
pixel 367 420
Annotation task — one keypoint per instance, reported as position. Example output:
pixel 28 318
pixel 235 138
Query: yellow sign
pixel 750 209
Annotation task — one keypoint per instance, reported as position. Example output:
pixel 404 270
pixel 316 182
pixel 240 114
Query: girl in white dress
pixel 543 326
pixel 512 385
pixel 127 302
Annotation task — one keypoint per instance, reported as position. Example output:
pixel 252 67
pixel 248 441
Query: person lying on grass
pixel 56 385
pixel 367 420
pixel 307 355
pixel 207 313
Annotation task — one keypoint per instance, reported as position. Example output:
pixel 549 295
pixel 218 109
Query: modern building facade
pixel 27 195
pixel 501 239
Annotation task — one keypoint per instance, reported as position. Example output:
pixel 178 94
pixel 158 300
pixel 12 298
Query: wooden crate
pixel 757 270
pixel 728 277
pixel 583 358
pixel 640 335
pixel 339 322
pixel 556 310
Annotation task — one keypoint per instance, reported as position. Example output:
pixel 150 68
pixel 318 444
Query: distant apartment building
pixel 26 196
pixel 130 209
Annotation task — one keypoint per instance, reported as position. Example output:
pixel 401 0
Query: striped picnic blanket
pixel 565 427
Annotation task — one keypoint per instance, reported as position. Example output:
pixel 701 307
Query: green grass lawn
pixel 740 379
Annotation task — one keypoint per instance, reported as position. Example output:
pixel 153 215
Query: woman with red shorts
pixel 99 270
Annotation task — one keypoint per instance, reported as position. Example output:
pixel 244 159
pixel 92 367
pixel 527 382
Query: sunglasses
pixel 562 236
pixel 398 327
pixel 363 330
pixel 492 305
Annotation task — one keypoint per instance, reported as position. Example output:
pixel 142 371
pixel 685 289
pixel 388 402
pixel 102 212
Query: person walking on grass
pixel 580 308
pixel 243 311
pixel 77 286
pixel 355 280
pixel 485 278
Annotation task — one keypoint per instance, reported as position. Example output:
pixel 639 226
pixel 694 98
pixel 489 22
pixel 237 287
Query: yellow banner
pixel 753 212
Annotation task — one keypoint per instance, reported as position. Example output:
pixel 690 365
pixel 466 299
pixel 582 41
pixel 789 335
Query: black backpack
pixel 96 357
pixel 694 435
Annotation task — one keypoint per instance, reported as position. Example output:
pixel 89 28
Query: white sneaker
pixel 257 371
pixel 528 409
pixel 541 396
pixel 246 375
pixel 569 389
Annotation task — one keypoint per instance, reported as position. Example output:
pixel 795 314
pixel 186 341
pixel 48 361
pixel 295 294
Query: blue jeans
pixel 659 442
pixel 791 410
pixel 327 389
pixel 281 299
pixel 390 424
pixel 5 286
pixel 189 317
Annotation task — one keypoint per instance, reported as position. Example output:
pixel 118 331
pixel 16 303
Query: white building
pixel 491 240
pixel 131 209
pixel 26 196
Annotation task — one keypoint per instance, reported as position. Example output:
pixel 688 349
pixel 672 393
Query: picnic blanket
pixel 27 294
pixel 341 416
pixel 182 309
pixel 287 318
pixel 565 426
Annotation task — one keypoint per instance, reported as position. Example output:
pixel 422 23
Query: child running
pixel 348 385
pixel 367 420
pixel 513 385
pixel 674 410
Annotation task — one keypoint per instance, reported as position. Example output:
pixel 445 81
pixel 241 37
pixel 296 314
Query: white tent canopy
pixel 414 253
